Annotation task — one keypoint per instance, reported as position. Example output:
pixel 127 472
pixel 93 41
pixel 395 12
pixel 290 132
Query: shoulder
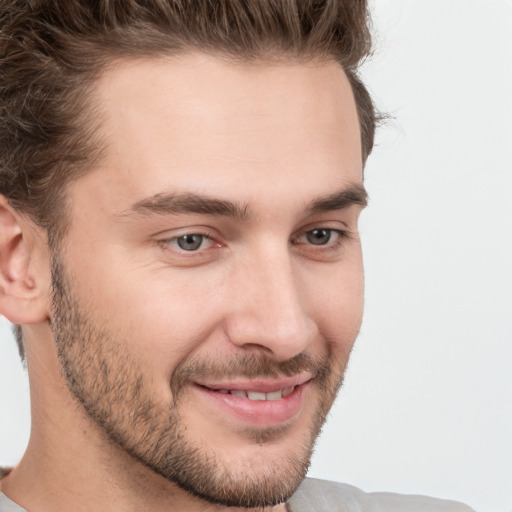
pixel 320 495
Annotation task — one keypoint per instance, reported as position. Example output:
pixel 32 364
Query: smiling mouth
pixel 257 395
pixel 258 402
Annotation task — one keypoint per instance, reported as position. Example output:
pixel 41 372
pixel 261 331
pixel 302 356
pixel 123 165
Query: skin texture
pixel 256 160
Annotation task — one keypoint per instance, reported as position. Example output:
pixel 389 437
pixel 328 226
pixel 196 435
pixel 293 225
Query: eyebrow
pixel 169 203
pixel 353 195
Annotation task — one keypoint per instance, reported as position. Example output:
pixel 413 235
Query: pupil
pixel 319 236
pixel 190 242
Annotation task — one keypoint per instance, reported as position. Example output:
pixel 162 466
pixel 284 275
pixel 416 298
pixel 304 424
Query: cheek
pixel 158 316
pixel 337 303
pixel 164 316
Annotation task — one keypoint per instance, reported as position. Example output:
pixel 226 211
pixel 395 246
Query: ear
pixel 24 268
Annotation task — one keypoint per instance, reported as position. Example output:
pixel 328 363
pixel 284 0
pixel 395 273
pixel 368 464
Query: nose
pixel 270 313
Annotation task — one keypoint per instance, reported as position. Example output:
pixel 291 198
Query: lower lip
pixel 257 412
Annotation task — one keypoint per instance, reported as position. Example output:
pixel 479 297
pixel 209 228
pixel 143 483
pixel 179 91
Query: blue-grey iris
pixel 190 242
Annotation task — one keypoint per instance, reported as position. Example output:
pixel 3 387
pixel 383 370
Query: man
pixel 181 184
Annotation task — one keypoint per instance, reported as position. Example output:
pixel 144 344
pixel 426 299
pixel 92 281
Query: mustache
pixel 249 366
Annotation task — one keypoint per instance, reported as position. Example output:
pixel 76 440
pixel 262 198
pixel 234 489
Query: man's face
pixel 209 289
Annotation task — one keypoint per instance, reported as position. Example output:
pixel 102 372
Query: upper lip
pixel 261 385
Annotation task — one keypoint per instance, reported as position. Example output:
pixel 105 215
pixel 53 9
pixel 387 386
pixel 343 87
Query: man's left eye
pixel 322 236
pixel 319 236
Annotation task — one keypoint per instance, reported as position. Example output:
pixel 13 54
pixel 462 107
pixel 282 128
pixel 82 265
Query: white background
pixel 427 404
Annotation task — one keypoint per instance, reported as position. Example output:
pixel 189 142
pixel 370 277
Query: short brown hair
pixel 51 51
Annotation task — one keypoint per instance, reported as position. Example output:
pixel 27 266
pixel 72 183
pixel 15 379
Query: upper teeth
pixel 257 395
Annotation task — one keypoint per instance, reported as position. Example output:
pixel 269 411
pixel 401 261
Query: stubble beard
pixel 117 394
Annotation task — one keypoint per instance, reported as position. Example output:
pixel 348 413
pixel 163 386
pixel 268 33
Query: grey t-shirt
pixel 323 496
pixel 6 505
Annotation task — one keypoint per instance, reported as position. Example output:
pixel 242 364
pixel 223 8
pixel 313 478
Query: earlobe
pixel 23 285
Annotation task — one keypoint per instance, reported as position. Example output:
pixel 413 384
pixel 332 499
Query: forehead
pixel 190 119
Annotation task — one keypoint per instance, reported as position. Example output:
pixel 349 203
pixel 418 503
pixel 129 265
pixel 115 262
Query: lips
pixel 262 385
pixel 257 402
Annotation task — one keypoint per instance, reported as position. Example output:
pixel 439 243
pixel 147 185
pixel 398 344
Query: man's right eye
pixel 189 248
pixel 191 242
